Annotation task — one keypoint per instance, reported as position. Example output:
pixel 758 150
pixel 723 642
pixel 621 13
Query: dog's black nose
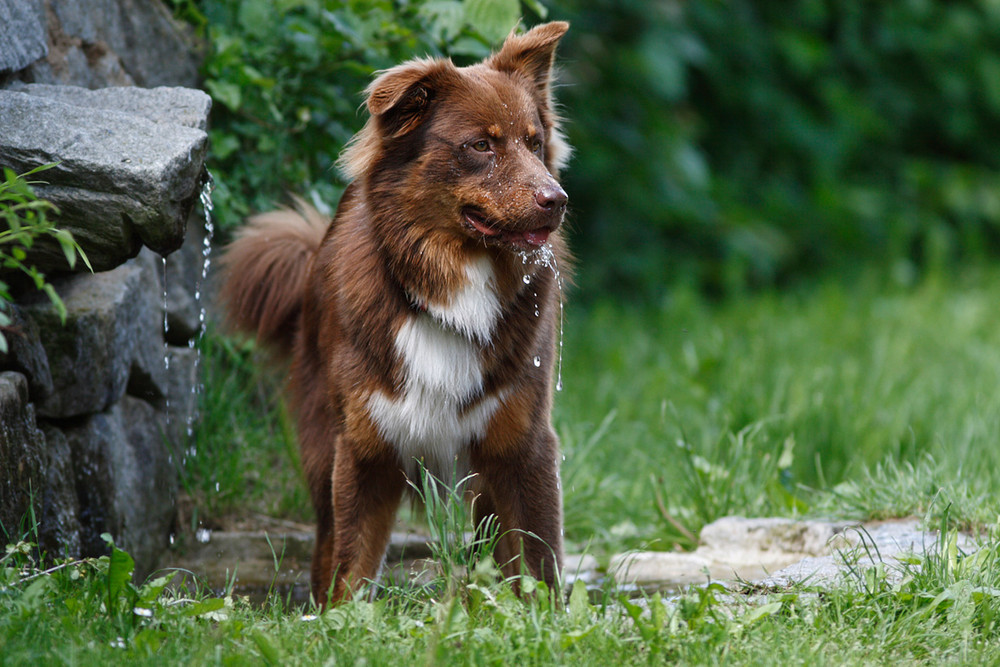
pixel 551 197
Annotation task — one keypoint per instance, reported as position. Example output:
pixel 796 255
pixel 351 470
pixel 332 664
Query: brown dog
pixel 423 321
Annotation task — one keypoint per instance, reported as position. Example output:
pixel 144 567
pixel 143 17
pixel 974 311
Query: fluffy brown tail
pixel 266 270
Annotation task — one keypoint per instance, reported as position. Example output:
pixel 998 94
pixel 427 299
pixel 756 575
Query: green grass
pixel 866 399
pixel 943 609
pixel 849 398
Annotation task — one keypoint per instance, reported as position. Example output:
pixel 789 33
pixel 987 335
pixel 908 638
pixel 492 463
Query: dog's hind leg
pixel 322 561
pixel 317 440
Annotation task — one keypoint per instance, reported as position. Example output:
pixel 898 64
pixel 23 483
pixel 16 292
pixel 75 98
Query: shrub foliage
pixel 726 143
pixel 735 142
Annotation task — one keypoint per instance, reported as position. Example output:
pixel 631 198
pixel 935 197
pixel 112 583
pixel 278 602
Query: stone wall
pixel 94 414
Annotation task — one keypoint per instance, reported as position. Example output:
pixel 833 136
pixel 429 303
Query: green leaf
pixel 56 301
pixel 448 16
pixel 494 19
pixel 224 145
pixel 226 92
pixel 760 612
pixel 152 590
pixel 120 567
pixel 205 606
pixel 68 246
pixel 256 16
pixel 579 602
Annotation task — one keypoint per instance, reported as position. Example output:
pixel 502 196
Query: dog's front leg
pixel 522 488
pixel 366 494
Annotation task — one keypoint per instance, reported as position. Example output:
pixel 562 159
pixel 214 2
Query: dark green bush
pixel 736 142
pixel 724 143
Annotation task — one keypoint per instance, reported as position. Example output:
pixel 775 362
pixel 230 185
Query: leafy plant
pixel 26 220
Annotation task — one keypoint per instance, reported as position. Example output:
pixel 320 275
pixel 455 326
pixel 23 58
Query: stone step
pixel 769 552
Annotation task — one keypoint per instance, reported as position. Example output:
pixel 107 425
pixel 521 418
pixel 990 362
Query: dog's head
pixel 468 151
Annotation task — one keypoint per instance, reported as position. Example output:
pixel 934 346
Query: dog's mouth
pixel 525 238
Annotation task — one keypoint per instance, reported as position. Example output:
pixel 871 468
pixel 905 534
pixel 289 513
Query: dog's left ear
pixel 531 54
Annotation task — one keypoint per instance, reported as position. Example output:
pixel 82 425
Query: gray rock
pixel 125 482
pixel 776 553
pixel 22 40
pixel 166 105
pixel 22 447
pixel 654 570
pixel 888 543
pixel 115 42
pixel 734 534
pixel 148 372
pixel 59 525
pixel 26 355
pixel 732 548
pixel 109 336
pixel 119 175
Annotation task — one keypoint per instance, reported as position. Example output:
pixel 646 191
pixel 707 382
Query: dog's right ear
pixel 401 97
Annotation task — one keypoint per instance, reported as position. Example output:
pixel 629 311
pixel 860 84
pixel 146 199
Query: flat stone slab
pixel 768 553
pixel 168 105
pixel 130 162
pixel 776 553
pixel 890 543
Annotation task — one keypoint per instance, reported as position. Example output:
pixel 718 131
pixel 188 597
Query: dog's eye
pixel 536 146
pixel 481 146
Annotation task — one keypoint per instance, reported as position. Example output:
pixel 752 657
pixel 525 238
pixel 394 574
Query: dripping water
pixel 546 256
pixel 166 346
pixel 206 258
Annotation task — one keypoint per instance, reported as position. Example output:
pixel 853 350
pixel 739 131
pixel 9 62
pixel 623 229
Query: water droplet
pixel 171 538
pixel 216 487
pixel 536 312
pixel 537 361
pixel 559 385
pixel 526 279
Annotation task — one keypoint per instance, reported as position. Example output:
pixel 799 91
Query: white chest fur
pixel 473 310
pixel 441 370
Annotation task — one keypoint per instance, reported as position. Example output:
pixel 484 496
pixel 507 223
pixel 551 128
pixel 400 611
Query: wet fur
pixel 411 329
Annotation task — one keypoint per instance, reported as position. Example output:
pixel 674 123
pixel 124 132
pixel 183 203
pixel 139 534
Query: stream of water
pixel 205 198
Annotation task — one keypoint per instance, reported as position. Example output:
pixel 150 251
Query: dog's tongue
pixel 537 236
pixel 531 237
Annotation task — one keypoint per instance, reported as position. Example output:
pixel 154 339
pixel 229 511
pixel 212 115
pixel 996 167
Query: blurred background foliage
pixel 724 144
